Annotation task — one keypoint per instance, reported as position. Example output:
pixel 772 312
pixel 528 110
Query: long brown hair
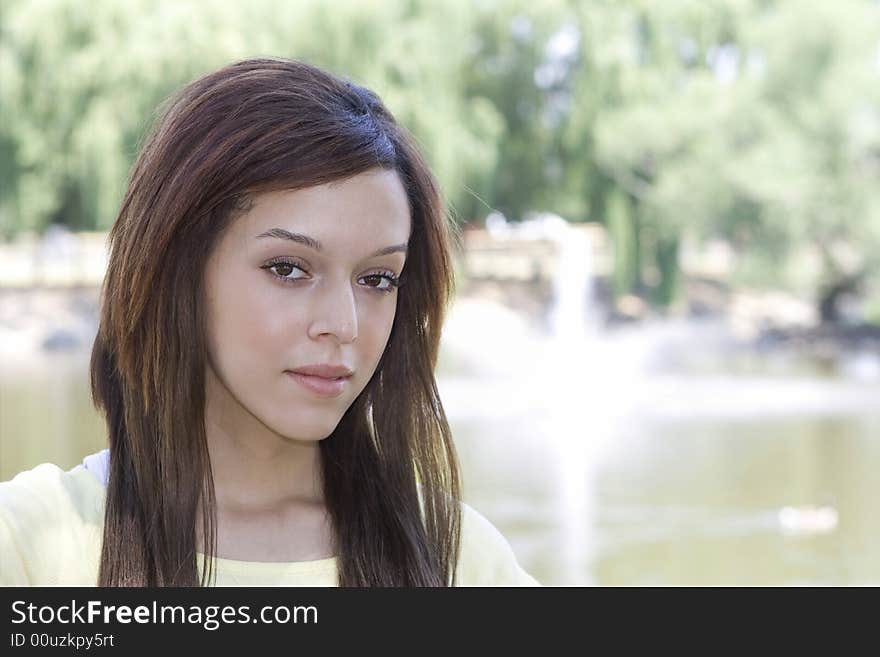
pixel 391 479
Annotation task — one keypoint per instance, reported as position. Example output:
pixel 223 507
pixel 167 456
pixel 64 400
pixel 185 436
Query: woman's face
pixel 296 281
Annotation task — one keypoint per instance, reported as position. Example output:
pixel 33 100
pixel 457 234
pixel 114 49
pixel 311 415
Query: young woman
pixel 271 317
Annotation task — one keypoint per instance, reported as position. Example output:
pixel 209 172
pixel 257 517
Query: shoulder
pixel 486 558
pixel 48 489
pixel 47 517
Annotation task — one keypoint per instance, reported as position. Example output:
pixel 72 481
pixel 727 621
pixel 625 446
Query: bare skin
pixel 266 318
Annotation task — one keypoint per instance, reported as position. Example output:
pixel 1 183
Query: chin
pixel 305 431
pixel 300 438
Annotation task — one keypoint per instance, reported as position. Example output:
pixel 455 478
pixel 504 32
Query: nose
pixel 335 313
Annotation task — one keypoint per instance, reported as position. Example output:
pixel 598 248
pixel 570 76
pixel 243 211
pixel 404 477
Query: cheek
pixel 246 328
pixel 376 331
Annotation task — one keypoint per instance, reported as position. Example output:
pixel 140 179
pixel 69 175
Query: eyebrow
pixel 312 243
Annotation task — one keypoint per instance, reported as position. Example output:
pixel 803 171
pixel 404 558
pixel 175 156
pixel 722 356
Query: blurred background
pixel 662 364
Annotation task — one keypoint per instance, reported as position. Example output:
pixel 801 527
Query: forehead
pixel 362 213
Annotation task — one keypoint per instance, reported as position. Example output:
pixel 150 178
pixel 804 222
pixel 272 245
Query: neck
pixel 260 469
pixel 255 468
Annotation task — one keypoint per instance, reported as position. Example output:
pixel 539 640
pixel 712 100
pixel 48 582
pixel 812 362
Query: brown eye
pixel 282 270
pixel 387 281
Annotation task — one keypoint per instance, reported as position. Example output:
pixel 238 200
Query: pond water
pixel 657 456
pixel 597 465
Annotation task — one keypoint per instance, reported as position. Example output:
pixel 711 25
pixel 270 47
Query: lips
pixel 319 385
pixel 324 370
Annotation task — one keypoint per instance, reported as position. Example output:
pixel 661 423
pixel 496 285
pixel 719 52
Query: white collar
pixel 99 465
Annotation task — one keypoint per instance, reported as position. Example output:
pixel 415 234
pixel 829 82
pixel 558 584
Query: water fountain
pixel 554 381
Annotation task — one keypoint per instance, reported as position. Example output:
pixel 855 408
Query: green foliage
pixel 753 121
pixel 623 228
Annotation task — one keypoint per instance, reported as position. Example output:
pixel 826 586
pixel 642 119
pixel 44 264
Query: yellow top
pixel 51 524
